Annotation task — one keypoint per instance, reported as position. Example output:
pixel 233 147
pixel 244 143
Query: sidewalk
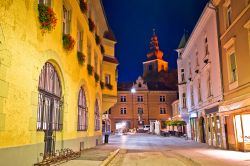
pixel 92 157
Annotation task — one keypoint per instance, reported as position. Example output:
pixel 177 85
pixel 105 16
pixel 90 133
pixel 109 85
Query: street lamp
pixel 133 90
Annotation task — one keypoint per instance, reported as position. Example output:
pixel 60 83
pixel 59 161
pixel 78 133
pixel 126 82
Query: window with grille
pixel 49 114
pixel 82 111
pixel 97 116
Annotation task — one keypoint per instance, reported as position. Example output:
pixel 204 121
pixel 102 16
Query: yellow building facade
pixel 234 28
pixel 44 85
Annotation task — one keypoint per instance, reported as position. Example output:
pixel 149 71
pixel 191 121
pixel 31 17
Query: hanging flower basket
pixel 47 18
pixel 96 77
pixel 102 49
pixel 83 6
pixel 109 86
pixel 102 84
pixel 80 57
pixel 97 39
pixel 91 25
pixel 90 69
pixel 68 42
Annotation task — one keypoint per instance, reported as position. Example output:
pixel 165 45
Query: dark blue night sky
pixel 132 22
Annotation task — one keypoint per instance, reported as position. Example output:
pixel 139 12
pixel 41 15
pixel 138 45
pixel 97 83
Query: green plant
pixel 80 57
pixel 109 86
pixel 90 69
pixel 97 77
pixel 102 84
pixel 47 18
pixel 97 39
pixel 83 6
pixel 102 49
pixel 68 42
pixel 91 25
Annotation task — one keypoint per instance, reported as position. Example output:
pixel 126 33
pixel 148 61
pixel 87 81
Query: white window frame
pixel 123 110
pixel 139 98
pixel 123 99
pixel 162 98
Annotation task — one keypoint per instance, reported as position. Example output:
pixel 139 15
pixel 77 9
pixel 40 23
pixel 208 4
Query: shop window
pixel 82 111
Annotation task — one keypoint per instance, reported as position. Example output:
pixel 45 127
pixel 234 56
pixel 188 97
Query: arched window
pixel 82 112
pixel 97 116
pixel 49 114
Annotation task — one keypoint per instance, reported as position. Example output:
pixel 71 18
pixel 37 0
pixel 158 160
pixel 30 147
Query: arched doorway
pixel 49 114
pixel 202 130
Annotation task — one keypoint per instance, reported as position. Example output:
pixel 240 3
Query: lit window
pixel 162 98
pixel 66 20
pixel 233 69
pixel 162 110
pixel 123 99
pixel 139 98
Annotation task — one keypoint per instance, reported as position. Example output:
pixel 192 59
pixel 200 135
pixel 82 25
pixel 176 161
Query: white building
pixel 199 77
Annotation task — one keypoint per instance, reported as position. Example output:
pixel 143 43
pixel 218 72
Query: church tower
pixel 154 63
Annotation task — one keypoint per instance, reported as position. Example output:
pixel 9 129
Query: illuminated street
pixel 145 149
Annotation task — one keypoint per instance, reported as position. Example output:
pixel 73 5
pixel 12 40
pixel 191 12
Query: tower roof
pixel 155 52
pixel 184 40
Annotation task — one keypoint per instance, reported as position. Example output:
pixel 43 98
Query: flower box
pixel 96 77
pixel 90 69
pixel 68 42
pixel 83 6
pixel 80 57
pixel 47 18
pixel 91 25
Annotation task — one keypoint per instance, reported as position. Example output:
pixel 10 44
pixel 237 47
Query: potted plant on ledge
pixel 47 18
pixel 68 42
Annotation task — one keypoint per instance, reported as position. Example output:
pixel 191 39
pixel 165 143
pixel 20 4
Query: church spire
pixel 155 52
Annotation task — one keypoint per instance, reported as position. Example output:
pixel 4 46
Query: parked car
pixel 146 127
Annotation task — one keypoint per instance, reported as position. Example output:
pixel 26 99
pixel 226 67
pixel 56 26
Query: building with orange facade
pixel 147 99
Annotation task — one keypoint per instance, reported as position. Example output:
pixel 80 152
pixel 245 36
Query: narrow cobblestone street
pixel 148 150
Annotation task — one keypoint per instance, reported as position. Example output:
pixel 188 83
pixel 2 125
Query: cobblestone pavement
pixel 152 150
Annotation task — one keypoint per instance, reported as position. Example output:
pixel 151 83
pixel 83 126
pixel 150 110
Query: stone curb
pixel 110 157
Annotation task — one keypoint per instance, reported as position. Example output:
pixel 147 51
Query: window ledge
pixel 233 85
